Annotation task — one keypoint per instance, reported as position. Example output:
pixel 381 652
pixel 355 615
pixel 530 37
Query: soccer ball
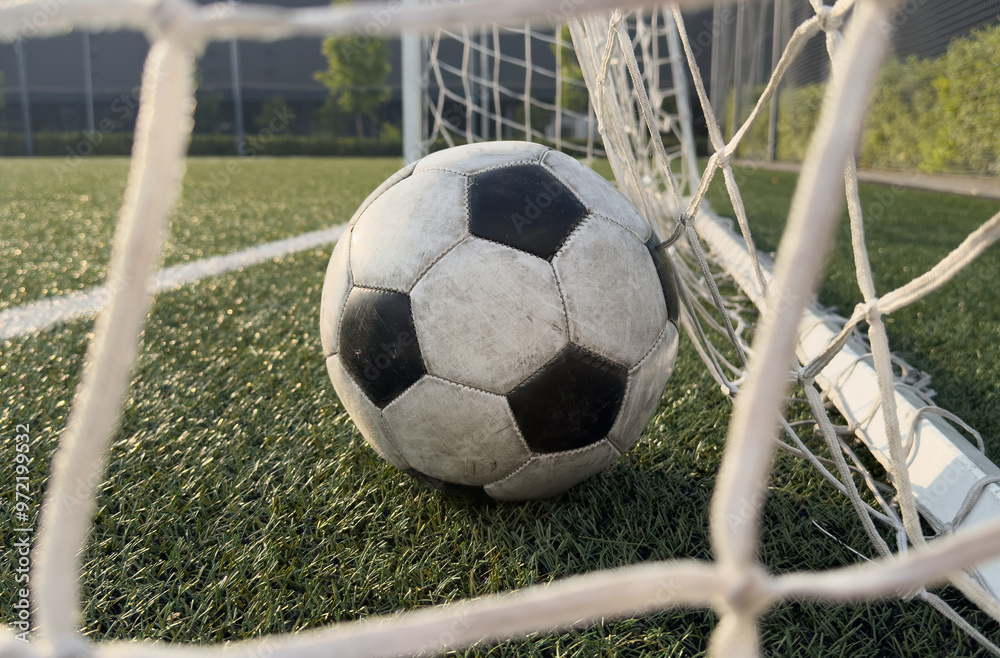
pixel 497 318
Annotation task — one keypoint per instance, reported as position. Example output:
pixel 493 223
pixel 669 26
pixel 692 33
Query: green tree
pixel 358 67
pixel 3 101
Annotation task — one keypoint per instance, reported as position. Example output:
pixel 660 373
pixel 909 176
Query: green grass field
pixel 240 500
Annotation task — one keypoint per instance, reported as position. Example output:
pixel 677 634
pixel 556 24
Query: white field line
pixel 44 313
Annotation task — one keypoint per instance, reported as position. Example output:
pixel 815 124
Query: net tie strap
pixel 970 501
pixel 828 20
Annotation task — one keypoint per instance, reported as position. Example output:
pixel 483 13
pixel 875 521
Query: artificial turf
pixel 241 501
pixel 56 219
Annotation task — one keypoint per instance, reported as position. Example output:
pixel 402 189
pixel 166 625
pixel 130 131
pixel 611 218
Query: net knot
pixel 872 312
pixel 722 156
pixel 176 17
pixel 828 21
pixel 910 594
pixel 748 592
pixel 803 378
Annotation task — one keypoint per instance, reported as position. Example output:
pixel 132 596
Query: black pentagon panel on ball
pixel 525 207
pixel 466 490
pixel 668 278
pixel 570 403
pixel 378 343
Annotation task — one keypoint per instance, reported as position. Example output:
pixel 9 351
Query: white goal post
pixel 607 38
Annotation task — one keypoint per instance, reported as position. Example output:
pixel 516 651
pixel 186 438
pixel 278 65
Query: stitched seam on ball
pixel 650 351
pixel 600 356
pixel 343 304
pixel 402 393
pixel 628 385
pixel 538 372
pixel 576 229
pixel 445 170
pixel 583 200
pixel 476 172
pixel 468 205
pixel 621 413
pixel 542 367
pixel 555 173
pixel 593 446
pixel 465 386
pixel 505 246
pixel 510 248
pixel 517 429
pixel 614 221
pixel 368 202
pixel 423 358
pixel 435 262
pixel 559 177
pixel 392 439
pixel 555 455
pixel 531 456
pixel 427 269
pixel 504 165
pixel 565 304
pixel 378 289
pixel 385 425
pixel 506 405
pixel 569 236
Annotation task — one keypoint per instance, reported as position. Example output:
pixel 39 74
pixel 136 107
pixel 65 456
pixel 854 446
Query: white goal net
pixel 636 70
pixel 634 61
